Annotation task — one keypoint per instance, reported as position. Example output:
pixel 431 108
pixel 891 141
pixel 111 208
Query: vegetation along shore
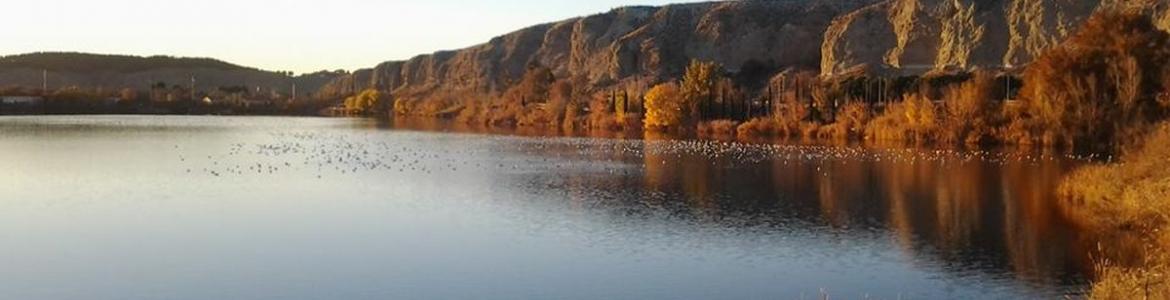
pixel 1096 82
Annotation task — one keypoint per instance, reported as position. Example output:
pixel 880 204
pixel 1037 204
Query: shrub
pixel 851 122
pixel 914 119
pixel 471 112
pixel 972 114
pixel 1128 199
pixel 1146 282
pixel 761 127
pixel 559 97
pixel 1134 194
pixel 719 128
pixel 1099 89
pixel 368 101
pixel 573 116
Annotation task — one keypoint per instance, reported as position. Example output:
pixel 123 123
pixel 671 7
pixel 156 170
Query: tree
pixel 698 85
pixel 664 107
pixel 559 98
pixel 971 112
pixel 533 87
pixel 128 94
pixel 1100 87
pixel 368 101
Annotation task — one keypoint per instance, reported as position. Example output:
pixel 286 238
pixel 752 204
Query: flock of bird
pixel 325 153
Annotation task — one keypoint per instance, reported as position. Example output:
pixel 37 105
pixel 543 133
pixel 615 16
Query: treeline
pixel 160 98
pixel 1102 89
pixel 84 62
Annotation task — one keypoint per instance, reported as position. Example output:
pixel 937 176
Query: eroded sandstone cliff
pixel 631 44
pixel 642 45
pixel 902 37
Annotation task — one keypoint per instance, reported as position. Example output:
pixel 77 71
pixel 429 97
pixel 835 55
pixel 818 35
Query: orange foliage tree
pixel 1100 87
pixel 664 107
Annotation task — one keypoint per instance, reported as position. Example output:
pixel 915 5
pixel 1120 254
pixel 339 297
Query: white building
pixel 21 100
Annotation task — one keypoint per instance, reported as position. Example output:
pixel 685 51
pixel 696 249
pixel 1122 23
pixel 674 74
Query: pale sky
pixel 294 35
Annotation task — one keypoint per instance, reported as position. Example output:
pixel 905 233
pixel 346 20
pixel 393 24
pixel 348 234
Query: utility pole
pixel 192 87
pixel 44 82
pixel 294 91
pixel 1007 74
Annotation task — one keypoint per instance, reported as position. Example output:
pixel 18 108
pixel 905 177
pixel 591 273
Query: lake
pixel 139 207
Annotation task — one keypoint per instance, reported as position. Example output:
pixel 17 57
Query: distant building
pixel 254 102
pixel 21 100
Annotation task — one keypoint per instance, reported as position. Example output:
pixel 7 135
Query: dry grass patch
pixel 1130 199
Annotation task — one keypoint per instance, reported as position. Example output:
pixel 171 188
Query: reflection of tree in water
pixel 1032 219
pixel 844 191
pixel 967 214
pixel 979 213
pixel 943 212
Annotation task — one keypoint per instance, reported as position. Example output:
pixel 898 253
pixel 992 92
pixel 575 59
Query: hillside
pixel 81 62
pixel 122 71
pixel 631 45
pixel 634 47
pixel 907 37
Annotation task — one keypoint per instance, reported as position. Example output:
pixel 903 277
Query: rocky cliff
pixel 631 44
pixel 901 37
pixel 641 45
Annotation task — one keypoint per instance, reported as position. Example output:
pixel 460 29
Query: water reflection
pixel 946 209
pixel 377 209
pixel 966 214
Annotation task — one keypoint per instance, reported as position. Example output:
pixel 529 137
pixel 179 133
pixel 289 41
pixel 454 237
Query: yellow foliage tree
pixel 698 85
pixel 664 107
pixel 368 101
pixel 921 115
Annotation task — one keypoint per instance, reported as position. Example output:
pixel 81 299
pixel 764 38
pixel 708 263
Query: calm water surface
pixel 126 207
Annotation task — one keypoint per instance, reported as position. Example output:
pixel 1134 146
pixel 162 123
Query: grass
pixel 1130 199
pixel 1133 194
pixel 850 124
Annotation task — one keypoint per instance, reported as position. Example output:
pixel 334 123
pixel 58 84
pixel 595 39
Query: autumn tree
pixel 1100 87
pixel 560 96
pixel 671 105
pixel 971 110
pixel 534 86
pixel 128 94
pixel 368 101
pixel 698 85
pixel 665 108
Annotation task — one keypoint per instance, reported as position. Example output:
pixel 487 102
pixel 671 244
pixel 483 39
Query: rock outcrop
pixel 903 37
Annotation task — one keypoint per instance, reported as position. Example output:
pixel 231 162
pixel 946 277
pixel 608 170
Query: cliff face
pixel 632 44
pixel 899 37
pixel 642 45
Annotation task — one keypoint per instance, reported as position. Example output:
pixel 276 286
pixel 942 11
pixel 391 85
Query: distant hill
pixel 82 62
pixel 124 71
